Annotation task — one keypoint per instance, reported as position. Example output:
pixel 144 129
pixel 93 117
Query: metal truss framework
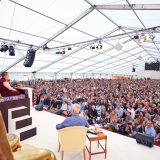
pixel 129 7
pixel 100 9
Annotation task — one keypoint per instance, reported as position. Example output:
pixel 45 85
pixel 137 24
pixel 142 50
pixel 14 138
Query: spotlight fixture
pixel 142 38
pixel 92 47
pixel 133 69
pixel 152 37
pixel 11 51
pixel 69 48
pixel 63 52
pixel 58 52
pixel 99 46
pixel 4 48
pixel 136 37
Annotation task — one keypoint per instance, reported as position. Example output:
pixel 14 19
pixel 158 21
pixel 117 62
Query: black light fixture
pixel 11 51
pixel 133 69
pixel 58 52
pixel 63 52
pixel 152 37
pixel 99 46
pixel 69 48
pixel 136 37
pixel 4 48
pixel 92 47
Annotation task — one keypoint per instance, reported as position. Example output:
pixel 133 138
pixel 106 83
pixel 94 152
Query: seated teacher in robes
pixel 5 88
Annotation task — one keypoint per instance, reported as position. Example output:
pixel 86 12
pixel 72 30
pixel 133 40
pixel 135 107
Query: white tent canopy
pixel 79 24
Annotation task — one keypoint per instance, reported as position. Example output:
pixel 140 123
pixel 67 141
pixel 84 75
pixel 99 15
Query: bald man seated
pixel 74 120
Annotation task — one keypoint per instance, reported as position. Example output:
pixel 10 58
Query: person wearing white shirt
pixel 132 111
pixel 119 111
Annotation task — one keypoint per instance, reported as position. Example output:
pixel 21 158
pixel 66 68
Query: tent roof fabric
pixel 80 24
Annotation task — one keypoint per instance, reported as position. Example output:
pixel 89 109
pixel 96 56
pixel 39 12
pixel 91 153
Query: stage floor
pixel 119 147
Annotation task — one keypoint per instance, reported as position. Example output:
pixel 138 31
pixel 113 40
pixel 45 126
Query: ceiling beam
pixel 86 12
pixel 124 65
pixel 112 62
pixel 102 61
pixel 108 33
pixel 77 19
pixel 132 8
pixel 82 47
pixel 153 29
pixel 128 7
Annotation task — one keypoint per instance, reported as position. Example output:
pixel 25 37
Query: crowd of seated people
pixel 122 106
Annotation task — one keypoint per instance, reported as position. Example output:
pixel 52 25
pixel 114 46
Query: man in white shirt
pixel 132 111
pixel 119 111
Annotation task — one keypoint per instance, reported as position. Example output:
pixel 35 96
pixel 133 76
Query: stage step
pixel 19 112
pixel 20 123
pixel 23 122
pixel 26 132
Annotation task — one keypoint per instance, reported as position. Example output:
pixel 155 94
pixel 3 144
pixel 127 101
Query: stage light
pixel 99 46
pixel 142 38
pixel 4 48
pixel 63 52
pixel 92 47
pixel 69 48
pixel 133 69
pixel 58 52
pixel 11 51
pixel 136 37
pixel 152 37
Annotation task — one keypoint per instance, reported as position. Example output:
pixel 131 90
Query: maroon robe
pixel 5 92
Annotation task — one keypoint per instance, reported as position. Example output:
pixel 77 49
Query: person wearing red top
pixel 5 89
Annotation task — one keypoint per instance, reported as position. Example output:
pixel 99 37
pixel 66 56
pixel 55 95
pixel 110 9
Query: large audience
pixel 124 106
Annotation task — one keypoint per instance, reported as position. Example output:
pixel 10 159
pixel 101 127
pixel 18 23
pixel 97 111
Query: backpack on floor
pixel 39 107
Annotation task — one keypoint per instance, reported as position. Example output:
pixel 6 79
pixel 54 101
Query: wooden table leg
pixel 59 147
pixel 90 151
pixel 84 153
pixel 62 155
pixel 98 144
pixel 105 148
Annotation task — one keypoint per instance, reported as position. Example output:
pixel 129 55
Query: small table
pixel 98 137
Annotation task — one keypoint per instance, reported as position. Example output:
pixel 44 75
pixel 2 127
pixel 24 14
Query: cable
pixel 12 20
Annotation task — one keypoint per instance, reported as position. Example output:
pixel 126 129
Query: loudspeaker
pixel 29 58
pixel 145 139
pixel 11 51
pixel 133 69
pixel 155 66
